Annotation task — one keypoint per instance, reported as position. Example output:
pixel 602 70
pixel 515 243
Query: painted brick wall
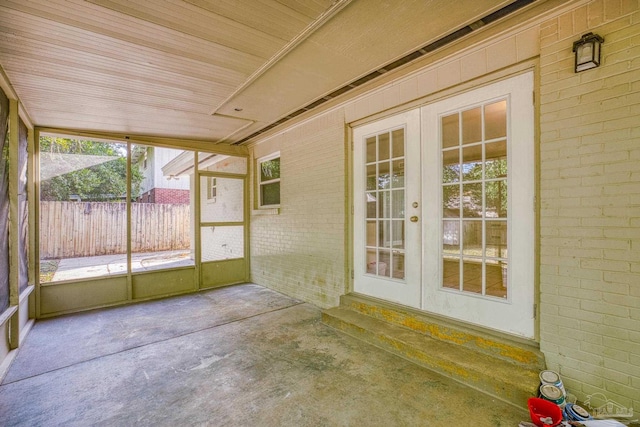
pixel 300 251
pixel 590 203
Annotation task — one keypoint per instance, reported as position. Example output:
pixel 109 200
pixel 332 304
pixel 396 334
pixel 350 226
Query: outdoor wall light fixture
pixel 587 51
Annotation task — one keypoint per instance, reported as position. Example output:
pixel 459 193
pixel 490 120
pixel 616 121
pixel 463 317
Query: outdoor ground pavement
pixel 237 356
pixel 105 265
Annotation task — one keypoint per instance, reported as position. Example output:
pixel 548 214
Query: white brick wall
pixel 589 191
pixel 301 250
pixel 590 187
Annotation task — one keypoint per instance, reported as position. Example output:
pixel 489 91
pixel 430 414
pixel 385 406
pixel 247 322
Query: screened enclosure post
pixel 128 224
pixel 247 226
pixel 196 218
pixel 35 200
pixel 14 223
pixel 31 260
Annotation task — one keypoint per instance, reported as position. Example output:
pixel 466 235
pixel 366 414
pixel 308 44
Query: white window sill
pixel 266 211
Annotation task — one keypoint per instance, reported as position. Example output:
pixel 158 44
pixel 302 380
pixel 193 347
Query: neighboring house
pixel 157 188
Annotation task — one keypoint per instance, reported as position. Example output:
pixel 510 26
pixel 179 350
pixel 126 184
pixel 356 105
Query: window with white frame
pixel 269 181
pixel 212 190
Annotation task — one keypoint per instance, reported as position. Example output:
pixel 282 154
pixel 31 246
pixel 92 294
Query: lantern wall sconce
pixel 587 51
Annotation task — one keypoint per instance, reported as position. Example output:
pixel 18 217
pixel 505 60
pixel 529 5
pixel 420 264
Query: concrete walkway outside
pixel 236 356
pixel 105 265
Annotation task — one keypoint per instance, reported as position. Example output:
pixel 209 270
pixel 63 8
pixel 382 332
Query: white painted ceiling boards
pixel 215 70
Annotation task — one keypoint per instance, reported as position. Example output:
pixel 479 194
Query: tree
pixel 104 180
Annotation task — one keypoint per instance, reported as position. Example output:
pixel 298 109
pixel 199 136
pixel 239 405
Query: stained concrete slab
pixel 279 366
pixel 66 340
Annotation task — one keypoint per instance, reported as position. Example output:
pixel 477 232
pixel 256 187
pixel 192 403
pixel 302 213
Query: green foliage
pixel 270 169
pixel 105 181
pixel 495 192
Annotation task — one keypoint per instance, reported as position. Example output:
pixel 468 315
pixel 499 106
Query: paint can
pixel 572 412
pixel 553 394
pixel 553 378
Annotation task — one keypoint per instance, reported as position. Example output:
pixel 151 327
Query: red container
pixel 540 408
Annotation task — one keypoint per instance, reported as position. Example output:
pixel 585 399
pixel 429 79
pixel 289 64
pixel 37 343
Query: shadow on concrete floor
pixel 236 356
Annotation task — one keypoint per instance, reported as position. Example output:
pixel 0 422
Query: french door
pixel 387 228
pixel 451 231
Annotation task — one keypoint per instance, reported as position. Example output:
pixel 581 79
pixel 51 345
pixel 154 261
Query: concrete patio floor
pixel 236 356
pixel 106 265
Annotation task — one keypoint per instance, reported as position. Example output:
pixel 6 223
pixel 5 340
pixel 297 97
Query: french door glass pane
pixel 398 234
pixel 496 199
pixel 371 177
pixel 495 122
pixel 472 163
pixel 397 180
pixel 371 233
pixel 472 126
pixel 384 234
pixel 451 237
pixel 371 149
pixel 397 136
pixel 383 146
pixel 496 159
pixel 472 238
pixel 451 272
pixel 472 276
pixel 451 166
pixel 496 232
pixel 398 265
pixel 474 213
pixel 384 263
pixel 472 200
pixel 385 201
pixel 384 179
pixel 450 131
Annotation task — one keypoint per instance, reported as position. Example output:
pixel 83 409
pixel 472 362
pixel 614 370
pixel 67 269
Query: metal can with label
pixel 553 378
pixel 553 394
pixel 573 412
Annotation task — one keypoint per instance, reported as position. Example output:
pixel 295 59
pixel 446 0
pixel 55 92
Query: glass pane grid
pixel 474 209
pixel 384 198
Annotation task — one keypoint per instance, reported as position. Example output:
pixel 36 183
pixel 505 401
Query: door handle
pixel 413 219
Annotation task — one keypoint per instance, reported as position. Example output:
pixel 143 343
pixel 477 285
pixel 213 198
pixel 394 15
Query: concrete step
pixel 510 349
pixel 501 378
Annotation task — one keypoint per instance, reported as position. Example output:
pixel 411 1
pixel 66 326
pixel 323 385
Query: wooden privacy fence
pixel 78 229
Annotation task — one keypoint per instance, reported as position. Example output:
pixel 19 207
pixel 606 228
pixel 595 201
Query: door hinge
pixel 352 273
pixel 535 311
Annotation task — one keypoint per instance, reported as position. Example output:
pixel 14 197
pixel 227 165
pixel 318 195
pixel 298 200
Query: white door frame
pixel 422 285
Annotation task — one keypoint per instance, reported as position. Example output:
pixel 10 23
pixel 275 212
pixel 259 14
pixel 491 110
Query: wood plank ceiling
pixel 214 70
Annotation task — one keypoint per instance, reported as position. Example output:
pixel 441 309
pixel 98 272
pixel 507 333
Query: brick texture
pixel 300 251
pixel 590 187
pixel 165 195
